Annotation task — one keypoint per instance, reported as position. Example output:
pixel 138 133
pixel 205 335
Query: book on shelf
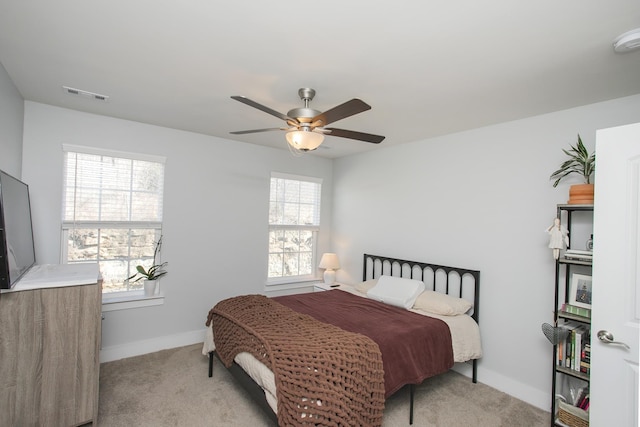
pixel 568 353
pixel 574 309
pixel 579 341
pixel 576 348
pixel 578 252
pixel 561 349
pixel 585 360
pixel 580 255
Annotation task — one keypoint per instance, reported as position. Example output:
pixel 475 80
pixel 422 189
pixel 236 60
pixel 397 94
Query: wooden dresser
pixel 49 355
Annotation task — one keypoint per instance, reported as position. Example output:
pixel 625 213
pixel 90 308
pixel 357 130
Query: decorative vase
pixel 581 194
pixel 150 288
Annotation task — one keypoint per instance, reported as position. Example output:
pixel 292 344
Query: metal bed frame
pixel 444 279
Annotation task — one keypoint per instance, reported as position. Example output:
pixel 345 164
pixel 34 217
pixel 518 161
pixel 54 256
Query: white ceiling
pixel 427 67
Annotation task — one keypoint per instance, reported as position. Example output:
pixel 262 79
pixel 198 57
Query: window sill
pixel 296 281
pixel 114 303
pixel 289 288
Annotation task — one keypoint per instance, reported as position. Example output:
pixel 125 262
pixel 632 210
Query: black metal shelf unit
pixel 567 265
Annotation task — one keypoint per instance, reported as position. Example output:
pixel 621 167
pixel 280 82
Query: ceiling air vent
pixel 85 94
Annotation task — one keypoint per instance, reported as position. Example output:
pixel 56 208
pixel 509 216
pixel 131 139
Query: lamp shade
pixel 329 261
pixel 304 140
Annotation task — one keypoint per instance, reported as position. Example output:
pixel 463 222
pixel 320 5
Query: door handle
pixel 607 338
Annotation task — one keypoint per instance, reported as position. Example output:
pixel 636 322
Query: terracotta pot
pixel 581 194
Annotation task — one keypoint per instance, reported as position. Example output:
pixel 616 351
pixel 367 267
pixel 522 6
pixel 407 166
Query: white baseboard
pixel 117 352
pixel 521 391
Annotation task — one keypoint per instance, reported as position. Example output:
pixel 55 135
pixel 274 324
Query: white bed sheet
pixel 465 340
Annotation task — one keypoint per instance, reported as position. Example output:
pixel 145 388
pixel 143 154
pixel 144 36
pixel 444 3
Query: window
pixel 112 212
pixel 294 221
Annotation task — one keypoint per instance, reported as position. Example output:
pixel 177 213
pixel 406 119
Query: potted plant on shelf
pixel 151 276
pixel 582 163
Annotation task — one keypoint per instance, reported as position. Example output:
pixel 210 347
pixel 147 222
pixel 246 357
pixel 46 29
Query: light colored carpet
pixel 171 388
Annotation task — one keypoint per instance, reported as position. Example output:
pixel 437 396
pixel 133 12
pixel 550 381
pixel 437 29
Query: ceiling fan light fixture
pixel 304 140
pixel 306 130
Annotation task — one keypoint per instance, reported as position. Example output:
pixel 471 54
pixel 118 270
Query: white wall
pixel 11 114
pixel 215 216
pixel 480 199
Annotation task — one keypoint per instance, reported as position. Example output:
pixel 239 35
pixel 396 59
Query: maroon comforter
pixel 413 347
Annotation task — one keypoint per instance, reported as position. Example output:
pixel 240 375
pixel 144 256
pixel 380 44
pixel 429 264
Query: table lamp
pixel 330 263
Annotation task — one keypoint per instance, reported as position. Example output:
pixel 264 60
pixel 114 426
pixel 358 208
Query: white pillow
pixel 366 285
pixel 443 304
pixel 396 291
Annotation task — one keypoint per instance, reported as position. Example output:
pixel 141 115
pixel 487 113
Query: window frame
pixel 68 225
pixel 314 229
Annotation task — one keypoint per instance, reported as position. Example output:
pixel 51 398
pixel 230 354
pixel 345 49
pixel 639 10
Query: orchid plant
pixel 154 272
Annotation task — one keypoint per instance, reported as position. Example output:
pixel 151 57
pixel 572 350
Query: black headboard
pixel 459 282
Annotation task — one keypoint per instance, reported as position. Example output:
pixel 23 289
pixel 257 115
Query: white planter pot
pixel 150 287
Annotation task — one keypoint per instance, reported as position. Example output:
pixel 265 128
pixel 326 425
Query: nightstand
pixel 321 286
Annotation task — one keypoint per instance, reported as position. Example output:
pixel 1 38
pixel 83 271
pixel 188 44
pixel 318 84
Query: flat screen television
pixel 17 251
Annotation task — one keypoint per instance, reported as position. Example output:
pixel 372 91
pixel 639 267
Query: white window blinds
pixel 112 189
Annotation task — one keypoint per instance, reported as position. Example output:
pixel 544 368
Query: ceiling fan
pixel 307 126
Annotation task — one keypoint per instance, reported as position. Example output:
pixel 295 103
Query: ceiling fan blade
pixel 342 111
pixel 242 132
pixel 261 107
pixel 360 136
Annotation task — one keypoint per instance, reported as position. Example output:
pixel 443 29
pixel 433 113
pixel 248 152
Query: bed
pixel 450 294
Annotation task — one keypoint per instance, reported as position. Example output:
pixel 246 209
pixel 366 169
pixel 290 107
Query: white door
pixel 616 276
